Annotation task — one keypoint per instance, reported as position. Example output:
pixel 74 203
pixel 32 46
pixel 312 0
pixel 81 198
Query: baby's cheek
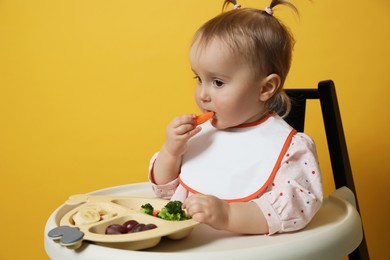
pixel 198 102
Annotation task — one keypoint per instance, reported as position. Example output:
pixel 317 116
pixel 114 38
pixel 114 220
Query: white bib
pixel 235 164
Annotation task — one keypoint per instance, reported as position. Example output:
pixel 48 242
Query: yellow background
pixel 88 86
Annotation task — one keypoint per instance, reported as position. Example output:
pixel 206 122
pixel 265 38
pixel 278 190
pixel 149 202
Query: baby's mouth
pixel 214 114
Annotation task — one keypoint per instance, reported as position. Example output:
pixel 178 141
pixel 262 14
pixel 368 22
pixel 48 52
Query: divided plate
pixel 124 209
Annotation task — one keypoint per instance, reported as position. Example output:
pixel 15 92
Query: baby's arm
pixel 295 195
pixel 238 217
pixel 167 165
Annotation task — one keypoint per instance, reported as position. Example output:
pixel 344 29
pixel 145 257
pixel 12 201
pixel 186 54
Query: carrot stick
pixel 203 118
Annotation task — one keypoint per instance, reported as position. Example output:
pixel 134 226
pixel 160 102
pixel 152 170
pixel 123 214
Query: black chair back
pixel 341 167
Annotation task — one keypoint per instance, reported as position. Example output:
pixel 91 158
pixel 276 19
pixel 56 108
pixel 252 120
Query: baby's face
pixel 226 86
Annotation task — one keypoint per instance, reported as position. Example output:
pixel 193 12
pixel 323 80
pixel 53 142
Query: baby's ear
pixel 269 86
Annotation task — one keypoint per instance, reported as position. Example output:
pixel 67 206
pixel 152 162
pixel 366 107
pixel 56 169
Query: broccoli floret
pixel 173 211
pixel 147 208
pixel 174 207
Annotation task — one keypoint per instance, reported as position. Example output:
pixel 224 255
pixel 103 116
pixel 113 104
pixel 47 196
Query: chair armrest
pixel 346 194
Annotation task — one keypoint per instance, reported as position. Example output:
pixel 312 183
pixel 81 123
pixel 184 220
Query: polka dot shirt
pixel 290 201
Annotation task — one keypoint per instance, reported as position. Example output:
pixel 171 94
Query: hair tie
pixel 237 6
pixel 269 11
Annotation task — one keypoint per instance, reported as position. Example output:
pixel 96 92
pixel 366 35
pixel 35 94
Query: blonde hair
pixel 258 38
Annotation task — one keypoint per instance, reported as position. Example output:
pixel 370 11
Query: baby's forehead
pixel 212 46
pixel 225 51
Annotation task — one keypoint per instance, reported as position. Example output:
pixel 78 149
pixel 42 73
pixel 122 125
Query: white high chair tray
pixel 333 233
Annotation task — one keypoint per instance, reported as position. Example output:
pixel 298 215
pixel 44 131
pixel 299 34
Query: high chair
pixel 342 173
pixel 336 230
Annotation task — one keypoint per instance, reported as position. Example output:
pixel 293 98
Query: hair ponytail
pixel 282 2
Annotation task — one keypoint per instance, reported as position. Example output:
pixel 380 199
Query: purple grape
pixel 150 226
pixel 130 224
pixel 115 229
pixel 137 228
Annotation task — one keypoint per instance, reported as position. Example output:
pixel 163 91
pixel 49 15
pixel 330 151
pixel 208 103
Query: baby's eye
pixel 218 83
pixel 198 79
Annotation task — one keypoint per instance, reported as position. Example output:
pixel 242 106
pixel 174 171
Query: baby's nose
pixel 204 95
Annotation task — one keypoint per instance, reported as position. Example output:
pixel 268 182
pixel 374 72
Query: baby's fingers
pixel 182 125
pixel 188 130
pixel 195 204
pixel 183 120
pixel 207 209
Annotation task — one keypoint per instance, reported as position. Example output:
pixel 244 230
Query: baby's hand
pixel 208 209
pixel 179 131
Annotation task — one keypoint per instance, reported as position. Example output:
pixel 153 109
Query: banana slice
pixel 86 216
pixel 93 213
pixel 108 215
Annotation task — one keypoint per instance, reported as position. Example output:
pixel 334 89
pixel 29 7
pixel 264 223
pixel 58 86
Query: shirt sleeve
pixel 295 195
pixel 164 191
